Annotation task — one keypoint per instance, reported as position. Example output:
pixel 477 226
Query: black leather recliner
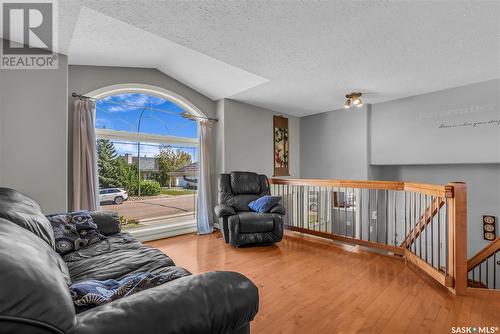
pixel 34 279
pixel 241 226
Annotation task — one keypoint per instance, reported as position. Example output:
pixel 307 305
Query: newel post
pixel 457 236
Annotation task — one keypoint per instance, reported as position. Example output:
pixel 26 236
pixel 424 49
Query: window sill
pixel 165 230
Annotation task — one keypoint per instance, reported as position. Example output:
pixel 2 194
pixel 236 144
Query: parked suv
pixel 115 195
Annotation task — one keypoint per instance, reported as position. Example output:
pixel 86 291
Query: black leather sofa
pixel 240 226
pixel 35 298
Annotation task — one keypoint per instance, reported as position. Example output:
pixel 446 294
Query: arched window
pixel 147 155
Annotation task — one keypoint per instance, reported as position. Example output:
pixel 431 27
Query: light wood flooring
pixel 308 285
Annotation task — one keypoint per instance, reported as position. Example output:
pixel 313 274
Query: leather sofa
pixel 34 282
pixel 240 226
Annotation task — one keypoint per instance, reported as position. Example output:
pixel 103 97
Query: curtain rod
pixel 184 114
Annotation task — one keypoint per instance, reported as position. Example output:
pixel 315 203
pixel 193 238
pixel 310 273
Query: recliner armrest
pixel 279 209
pixel 214 302
pixel 108 222
pixel 224 210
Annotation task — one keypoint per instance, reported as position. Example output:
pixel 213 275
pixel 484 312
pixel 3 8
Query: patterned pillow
pixel 73 231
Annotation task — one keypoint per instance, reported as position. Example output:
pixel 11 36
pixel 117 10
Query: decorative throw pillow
pixel 264 203
pixel 73 231
pixel 92 292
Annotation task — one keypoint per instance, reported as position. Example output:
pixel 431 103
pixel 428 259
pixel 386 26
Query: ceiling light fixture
pixel 354 99
pixel 347 104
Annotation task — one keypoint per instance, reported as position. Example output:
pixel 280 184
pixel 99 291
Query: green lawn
pixel 176 192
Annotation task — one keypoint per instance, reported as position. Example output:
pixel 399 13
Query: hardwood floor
pixel 308 285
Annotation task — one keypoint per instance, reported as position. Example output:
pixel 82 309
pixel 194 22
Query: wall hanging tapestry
pixel 281 148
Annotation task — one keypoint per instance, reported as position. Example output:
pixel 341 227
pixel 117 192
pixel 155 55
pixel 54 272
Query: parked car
pixel 115 195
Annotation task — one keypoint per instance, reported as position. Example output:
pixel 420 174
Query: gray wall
pixel 345 145
pixel 411 127
pixel 245 139
pixel 334 144
pixel 33 134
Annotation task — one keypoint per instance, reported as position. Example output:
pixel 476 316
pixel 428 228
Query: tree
pixel 108 164
pixel 169 160
pixel 127 176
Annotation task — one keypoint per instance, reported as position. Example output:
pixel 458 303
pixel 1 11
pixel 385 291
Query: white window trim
pixel 146 89
pixel 162 231
pixel 146 138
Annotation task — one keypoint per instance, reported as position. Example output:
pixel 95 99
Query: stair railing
pixel 423 223
pixel 484 267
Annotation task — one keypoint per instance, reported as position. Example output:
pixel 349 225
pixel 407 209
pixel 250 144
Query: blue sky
pixel 122 111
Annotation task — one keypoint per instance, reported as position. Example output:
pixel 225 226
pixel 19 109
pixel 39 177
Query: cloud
pixel 102 123
pixel 129 102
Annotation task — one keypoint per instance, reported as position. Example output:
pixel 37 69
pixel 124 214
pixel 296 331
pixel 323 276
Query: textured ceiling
pixel 102 40
pixel 312 53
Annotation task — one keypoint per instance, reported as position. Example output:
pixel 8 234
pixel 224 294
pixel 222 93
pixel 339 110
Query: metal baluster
pixel 495 270
pixel 419 220
pixel 487 274
pixel 406 220
pixel 425 228
pixel 414 241
pixel 307 207
pixel 439 231
pixel 345 212
pixel 301 205
pixel 386 195
pixel 446 236
pixel 376 208
pixel 432 230
pixel 369 215
pixel 394 208
pixel 480 278
pixel 353 207
pixel 359 208
pixel 294 205
pixel 289 198
pixel 288 209
pixel 318 209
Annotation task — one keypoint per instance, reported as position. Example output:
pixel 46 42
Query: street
pixel 151 208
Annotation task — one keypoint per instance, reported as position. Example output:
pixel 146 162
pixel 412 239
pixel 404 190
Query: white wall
pixel 245 136
pixel 334 144
pixel 33 134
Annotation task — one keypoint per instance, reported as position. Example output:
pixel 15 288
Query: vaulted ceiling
pixel 294 57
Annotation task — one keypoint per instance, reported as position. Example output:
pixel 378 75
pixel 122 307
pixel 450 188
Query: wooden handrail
pixel 425 219
pixel 427 189
pixel 453 195
pixel 485 253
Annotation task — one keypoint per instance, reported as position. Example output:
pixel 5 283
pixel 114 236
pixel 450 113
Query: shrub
pixel 150 188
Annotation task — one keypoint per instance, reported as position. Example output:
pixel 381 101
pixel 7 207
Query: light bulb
pixel 360 103
pixel 347 104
